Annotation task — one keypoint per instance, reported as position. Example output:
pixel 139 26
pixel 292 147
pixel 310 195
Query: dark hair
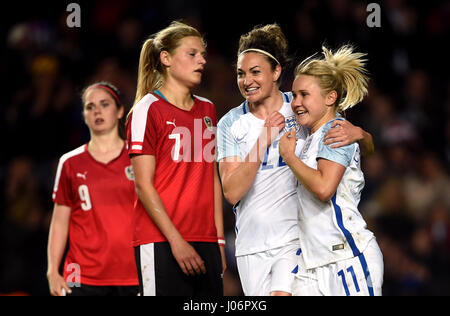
pixel 109 88
pixel 269 38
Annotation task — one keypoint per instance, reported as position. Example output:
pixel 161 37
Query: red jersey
pixel 100 232
pixel 183 143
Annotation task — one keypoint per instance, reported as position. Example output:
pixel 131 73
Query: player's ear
pixel 165 58
pixel 331 97
pixel 120 112
pixel 277 73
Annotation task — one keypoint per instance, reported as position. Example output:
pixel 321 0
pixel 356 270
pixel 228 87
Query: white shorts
pixel 357 276
pixel 268 271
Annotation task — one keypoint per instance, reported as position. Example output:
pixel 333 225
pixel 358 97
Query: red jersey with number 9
pixel 183 143
pixel 100 233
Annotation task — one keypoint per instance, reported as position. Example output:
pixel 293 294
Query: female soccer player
pixel 178 215
pixel 339 255
pixel 255 178
pixel 93 198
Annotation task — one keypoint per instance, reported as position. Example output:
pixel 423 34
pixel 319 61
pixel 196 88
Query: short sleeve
pixel 62 188
pixel 342 155
pixel 141 128
pixel 227 145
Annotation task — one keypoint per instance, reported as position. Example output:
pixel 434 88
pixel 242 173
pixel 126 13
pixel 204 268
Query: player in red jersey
pixel 178 214
pixel 93 196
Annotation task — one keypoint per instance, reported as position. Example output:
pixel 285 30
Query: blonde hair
pixel 151 72
pixel 342 71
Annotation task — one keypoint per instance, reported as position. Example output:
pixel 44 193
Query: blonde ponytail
pixel 343 71
pixel 151 72
pixel 150 75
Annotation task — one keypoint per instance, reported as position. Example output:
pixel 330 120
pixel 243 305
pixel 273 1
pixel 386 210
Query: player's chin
pixel 195 81
pixel 253 98
pixel 302 120
pixel 198 75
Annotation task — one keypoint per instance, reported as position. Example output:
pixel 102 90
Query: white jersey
pixel 267 216
pixel 334 230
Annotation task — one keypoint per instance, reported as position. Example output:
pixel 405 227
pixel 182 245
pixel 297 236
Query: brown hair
pixel 108 87
pixel 269 38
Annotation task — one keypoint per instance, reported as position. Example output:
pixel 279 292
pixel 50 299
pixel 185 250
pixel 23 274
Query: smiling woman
pixel 255 178
pixel 334 239
pixel 267 43
pixel 249 163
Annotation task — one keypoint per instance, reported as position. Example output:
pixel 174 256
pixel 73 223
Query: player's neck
pixel 267 106
pixel 105 143
pixel 178 95
pixel 105 148
pixel 322 121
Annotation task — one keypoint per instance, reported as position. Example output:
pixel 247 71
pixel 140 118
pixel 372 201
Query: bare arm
pixel 322 182
pixel 346 133
pixel 218 214
pixel 57 240
pixel 238 176
pixel 186 256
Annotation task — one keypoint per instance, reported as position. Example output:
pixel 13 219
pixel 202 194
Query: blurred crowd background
pixel 44 65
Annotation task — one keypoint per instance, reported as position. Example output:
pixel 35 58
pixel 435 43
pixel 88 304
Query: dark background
pixel 406 201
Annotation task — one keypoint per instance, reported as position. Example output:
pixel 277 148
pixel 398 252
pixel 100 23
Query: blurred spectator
pixel 23 230
pixel 388 127
pixel 447 144
pixel 429 185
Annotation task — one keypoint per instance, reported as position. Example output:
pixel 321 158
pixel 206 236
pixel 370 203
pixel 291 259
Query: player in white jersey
pixel 339 255
pixel 266 216
pixel 254 177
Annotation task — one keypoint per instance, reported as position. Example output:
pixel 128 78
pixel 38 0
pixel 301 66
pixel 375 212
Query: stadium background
pixel 406 200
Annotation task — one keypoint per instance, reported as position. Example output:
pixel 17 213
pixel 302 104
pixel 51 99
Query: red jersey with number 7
pixel 183 143
pixel 100 231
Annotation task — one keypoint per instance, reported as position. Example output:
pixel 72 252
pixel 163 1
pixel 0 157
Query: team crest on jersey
pixel 129 173
pixel 291 122
pixel 208 123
